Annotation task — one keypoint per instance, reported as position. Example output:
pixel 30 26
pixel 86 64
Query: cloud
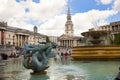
pixel 14 12
pixel 116 5
pixel 82 22
pixel 54 26
pixel 93 18
pixel 105 2
pixel 50 16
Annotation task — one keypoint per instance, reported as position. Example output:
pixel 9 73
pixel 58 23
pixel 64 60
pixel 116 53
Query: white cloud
pixel 105 2
pixel 51 14
pixel 14 12
pixel 54 26
pixel 90 19
pixel 116 5
pixel 82 22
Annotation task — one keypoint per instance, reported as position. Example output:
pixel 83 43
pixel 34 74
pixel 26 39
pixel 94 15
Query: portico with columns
pixel 67 43
pixel 12 36
pixel 68 39
pixel 21 39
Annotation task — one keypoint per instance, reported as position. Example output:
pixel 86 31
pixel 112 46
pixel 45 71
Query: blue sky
pixel 86 5
pixel 50 15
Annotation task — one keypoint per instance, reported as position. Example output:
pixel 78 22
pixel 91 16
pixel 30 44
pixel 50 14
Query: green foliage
pixel 47 39
pixel 117 39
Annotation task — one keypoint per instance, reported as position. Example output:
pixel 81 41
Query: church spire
pixel 69 25
pixel 68 10
pixel 68 14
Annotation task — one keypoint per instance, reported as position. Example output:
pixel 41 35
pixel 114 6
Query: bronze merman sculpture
pixel 36 56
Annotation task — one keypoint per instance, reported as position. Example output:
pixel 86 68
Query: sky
pixel 50 15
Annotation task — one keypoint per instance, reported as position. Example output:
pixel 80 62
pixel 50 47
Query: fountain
pixel 76 70
pixel 36 57
pixel 96 37
pixel 97 47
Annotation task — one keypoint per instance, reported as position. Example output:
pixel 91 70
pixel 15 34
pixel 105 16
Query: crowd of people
pixel 12 52
pixel 63 55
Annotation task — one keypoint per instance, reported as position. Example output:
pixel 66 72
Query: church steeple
pixel 68 14
pixel 69 24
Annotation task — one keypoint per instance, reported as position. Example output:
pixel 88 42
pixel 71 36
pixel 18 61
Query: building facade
pixel 53 39
pixel 68 39
pixel 17 37
pixel 113 28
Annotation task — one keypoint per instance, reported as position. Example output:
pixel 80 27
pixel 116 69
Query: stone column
pixel 0 37
pixel 114 28
pixel 60 43
pixel 66 44
pixel 70 43
pixel 21 40
pixel 18 40
pixel 118 27
pixel 63 42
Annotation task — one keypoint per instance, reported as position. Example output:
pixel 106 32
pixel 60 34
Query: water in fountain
pixel 75 70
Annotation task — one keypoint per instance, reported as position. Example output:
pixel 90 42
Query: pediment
pixel 65 37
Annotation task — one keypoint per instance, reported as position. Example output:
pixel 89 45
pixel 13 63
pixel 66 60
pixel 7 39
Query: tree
pixel 117 39
pixel 47 39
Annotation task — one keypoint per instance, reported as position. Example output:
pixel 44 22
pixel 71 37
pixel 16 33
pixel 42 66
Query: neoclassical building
pixel 113 28
pixel 68 39
pixel 53 39
pixel 17 37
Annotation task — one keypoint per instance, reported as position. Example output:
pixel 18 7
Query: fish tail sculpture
pixel 36 57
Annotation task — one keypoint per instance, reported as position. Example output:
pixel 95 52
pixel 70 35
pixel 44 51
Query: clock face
pixel 69 27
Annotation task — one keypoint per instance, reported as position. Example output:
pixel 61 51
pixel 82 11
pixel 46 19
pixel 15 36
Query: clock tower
pixel 69 24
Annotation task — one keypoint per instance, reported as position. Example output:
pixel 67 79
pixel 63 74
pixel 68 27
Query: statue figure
pixel 36 56
pixel 118 75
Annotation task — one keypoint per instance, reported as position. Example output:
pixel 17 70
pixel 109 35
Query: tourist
pixel 66 57
pixel 62 57
pixel 11 55
pixel 4 56
pixel 58 58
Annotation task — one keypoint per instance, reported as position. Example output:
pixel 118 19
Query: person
pixel 30 57
pixel 118 76
pixel 66 55
pixel 62 57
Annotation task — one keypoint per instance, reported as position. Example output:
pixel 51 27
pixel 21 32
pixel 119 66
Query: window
pixel 9 35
